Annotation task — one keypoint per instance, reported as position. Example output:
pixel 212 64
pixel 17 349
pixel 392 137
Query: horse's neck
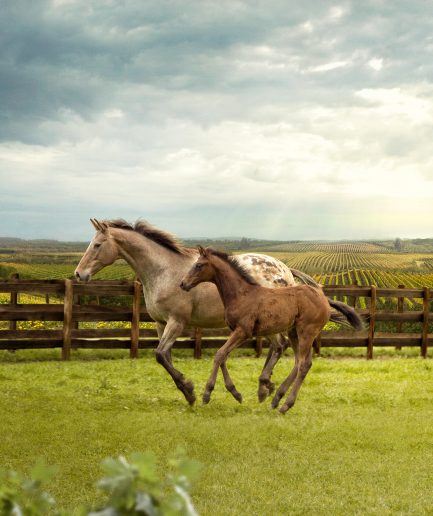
pixel 148 259
pixel 231 286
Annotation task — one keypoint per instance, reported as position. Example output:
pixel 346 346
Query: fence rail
pixel 69 308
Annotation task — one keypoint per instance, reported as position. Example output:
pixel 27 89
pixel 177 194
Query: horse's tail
pixel 308 280
pixel 347 315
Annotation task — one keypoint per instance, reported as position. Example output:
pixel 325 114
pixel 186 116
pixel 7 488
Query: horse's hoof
pixel 262 393
pixel 276 401
pixel 271 387
pixel 191 399
pixel 265 390
pixel 189 392
pixel 237 396
pixel 286 407
pixel 206 398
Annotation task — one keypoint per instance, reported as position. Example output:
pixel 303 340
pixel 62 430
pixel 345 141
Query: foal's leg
pixel 305 354
pixel 277 345
pixel 293 341
pixel 172 330
pixel 228 382
pixel 283 388
pixel 235 339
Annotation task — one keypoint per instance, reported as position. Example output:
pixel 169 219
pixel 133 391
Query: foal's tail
pixel 347 315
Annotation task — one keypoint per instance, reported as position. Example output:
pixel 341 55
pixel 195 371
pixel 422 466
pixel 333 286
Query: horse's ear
pixel 201 250
pixel 100 226
pixel 94 224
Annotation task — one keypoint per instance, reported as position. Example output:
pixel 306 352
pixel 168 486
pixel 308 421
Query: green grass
pixel 358 441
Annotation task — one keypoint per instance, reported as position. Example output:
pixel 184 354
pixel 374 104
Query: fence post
pixel 351 300
pixel 317 344
pixel 400 305
pixel 426 306
pixel 77 301
pixel 14 301
pixel 135 322
pixel 259 346
pixel 373 301
pixel 198 334
pixel 68 304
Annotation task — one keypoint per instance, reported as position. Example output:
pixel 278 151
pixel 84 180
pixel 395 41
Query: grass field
pixel 359 440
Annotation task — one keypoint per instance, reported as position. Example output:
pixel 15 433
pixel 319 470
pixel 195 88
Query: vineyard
pixel 360 263
pixel 329 247
pixel 47 270
pixel 364 267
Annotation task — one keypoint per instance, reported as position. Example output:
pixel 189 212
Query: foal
pixel 254 310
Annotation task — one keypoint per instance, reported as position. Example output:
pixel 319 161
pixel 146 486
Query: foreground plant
pixel 26 496
pixel 132 487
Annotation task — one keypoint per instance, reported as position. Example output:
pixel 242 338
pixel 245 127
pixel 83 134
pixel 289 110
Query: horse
pixel 160 261
pixel 251 309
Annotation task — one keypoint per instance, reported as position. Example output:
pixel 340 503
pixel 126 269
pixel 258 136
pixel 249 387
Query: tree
pixel 398 244
pixel 244 243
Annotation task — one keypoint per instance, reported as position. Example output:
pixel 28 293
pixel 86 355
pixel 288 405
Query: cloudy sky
pixel 270 119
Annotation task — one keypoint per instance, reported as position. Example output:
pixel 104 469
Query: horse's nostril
pixel 77 275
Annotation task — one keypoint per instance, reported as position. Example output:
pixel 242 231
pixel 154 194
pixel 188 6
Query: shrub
pixel 132 488
pixel 25 496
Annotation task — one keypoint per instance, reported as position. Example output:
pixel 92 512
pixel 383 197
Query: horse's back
pixel 266 270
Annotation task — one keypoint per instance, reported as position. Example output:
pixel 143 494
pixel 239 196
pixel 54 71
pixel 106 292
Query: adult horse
pixel 160 262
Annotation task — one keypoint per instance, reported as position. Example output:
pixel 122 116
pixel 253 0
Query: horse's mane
pixel 163 238
pixel 234 264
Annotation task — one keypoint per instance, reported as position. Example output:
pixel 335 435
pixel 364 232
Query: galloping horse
pixel 251 309
pixel 160 262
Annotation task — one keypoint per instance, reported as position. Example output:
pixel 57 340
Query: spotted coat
pixel 266 270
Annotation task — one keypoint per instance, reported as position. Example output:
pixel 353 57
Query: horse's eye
pixel 198 266
pixel 97 245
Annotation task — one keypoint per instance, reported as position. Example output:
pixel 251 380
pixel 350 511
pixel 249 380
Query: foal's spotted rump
pixel 267 271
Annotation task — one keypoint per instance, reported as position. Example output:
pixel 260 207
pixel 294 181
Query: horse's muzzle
pixel 185 287
pixel 82 276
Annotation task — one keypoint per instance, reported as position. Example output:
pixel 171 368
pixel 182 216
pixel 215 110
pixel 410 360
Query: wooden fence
pixel 64 303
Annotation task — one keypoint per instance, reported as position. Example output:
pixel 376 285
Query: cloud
pixel 327 67
pixel 214 117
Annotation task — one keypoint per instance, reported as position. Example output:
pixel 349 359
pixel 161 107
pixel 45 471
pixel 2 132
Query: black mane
pixel 234 264
pixel 163 238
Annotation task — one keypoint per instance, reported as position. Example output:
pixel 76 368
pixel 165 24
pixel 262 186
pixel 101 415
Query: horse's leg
pixel 235 339
pixel 172 330
pixel 228 382
pixel 274 354
pixel 160 327
pixel 278 344
pixel 283 388
pixel 305 353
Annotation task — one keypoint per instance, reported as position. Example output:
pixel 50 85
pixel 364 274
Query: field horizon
pixel 12 244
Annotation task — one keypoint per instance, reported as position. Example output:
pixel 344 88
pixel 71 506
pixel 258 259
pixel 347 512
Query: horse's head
pixel 201 271
pixel 102 251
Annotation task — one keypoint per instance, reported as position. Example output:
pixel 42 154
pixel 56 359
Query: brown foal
pixel 251 309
